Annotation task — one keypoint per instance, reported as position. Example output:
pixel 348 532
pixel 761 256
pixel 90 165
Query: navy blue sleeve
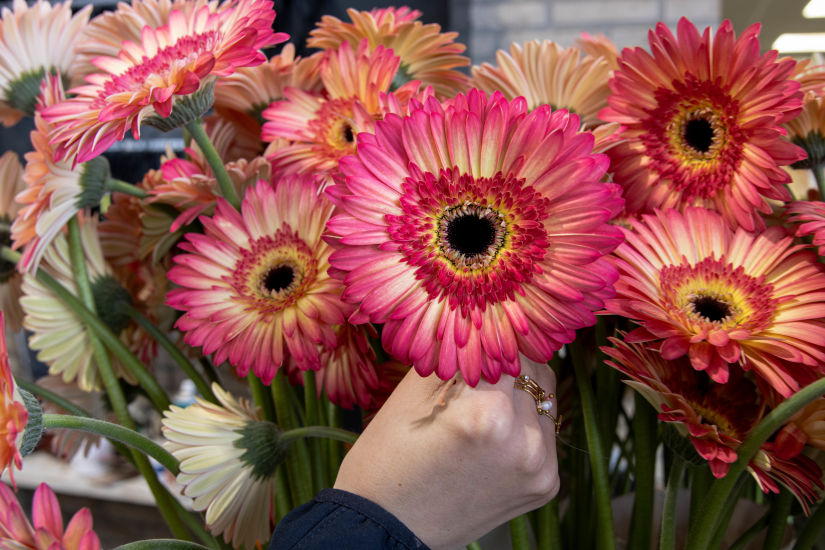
pixel 344 521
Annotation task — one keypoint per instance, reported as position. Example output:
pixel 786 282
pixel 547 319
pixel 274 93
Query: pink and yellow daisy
pixel 809 217
pixel 808 131
pixel 322 128
pixel 475 230
pixel 724 298
pixel 35 41
pixel 426 54
pixel 702 123
pixel 47 533
pixel 254 286
pixel 347 375
pixel 715 417
pixel 173 66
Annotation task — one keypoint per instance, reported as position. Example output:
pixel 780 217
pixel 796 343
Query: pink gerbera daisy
pixel 475 230
pixel 810 217
pixel 255 284
pixel 348 376
pixel 702 123
pixel 174 66
pixel 723 297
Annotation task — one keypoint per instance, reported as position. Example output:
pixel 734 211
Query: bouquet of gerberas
pixel 337 218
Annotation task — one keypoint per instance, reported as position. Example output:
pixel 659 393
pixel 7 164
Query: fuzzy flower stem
pixel 778 524
pixel 819 176
pixel 112 385
pixel 174 352
pixel 115 432
pixel 120 186
pixel 519 536
pixel 196 129
pixel 812 530
pixel 262 397
pixel 311 417
pixel 606 539
pixel 297 457
pixel 98 328
pixel 711 509
pixel 329 432
pixel 667 535
pixel 548 533
pixel 49 395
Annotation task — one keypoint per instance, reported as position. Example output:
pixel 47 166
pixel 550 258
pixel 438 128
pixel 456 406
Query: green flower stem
pixel 120 186
pixel 667 534
pixel 282 500
pixel 297 456
pixel 548 534
pixel 812 530
pixel 644 440
pixel 727 512
pixel 196 129
pixel 111 383
pixel 49 395
pixel 474 546
pixel 311 417
pixel 819 176
pixel 519 534
pixel 98 328
pixel 699 482
pixel 114 431
pixel 780 509
pixel 711 509
pixel 209 370
pixel 605 536
pixel 750 533
pixel 262 397
pixel 161 544
pixel 334 450
pixel 174 352
pixel 336 434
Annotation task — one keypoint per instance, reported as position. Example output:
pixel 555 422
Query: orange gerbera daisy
pixel 427 54
pixel 324 127
pixel 35 41
pixel 13 415
pixel 723 297
pixel 173 66
pixel 702 123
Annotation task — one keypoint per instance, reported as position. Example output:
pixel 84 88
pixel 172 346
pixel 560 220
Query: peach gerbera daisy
pixel 702 123
pixel 599 46
pixel 255 284
pixel 725 298
pixel 35 41
pixel 426 54
pixel 809 217
pixel 546 73
pixel 808 131
pixel 475 230
pixel 13 414
pixel 322 128
pixel 165 80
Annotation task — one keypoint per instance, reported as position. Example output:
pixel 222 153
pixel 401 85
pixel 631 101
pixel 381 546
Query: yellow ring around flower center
pixel 470 236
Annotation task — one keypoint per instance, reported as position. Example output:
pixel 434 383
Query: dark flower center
pixel 349 135
pixel 279 278
pixel 470 235
pixel 699 134
pixel 711 308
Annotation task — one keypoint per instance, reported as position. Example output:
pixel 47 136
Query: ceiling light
pixel 814 9
pixel 800 42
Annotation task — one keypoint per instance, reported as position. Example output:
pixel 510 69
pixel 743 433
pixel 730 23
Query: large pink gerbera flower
pixel 256 281
pixel 168 69
pixel 723 297
pixel 475 231
pixel 702 122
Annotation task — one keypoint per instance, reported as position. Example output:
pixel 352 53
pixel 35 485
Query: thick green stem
pixel 819 176
pixel 120 186
pixel 110 381
pixel 116 432
pixel 282 500
pixel 728 509
pixel 667 535
pixel 644 440
pixel 329 432
pixel 312 417
pixel 262 397
pixel 750 533
pixel 711 510
pixel 519 535
pixel 174 352
pixel 813 529
pixel 548 534
pixel 225 185
pixel 780 509
pixel 700 480
pixel 297 456
pixel 605 537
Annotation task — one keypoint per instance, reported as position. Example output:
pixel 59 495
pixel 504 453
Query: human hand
pixel 452 462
